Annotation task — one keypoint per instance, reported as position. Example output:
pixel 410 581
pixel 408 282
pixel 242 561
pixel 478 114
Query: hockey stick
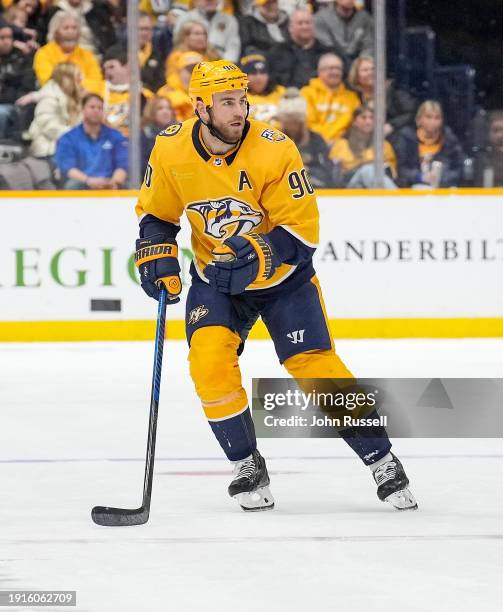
pixel 121 517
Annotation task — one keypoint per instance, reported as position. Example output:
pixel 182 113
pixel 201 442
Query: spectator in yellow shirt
pixel 355 154
pixel 330 104
pixel 192 36
pixel 177 88
pixel 63 36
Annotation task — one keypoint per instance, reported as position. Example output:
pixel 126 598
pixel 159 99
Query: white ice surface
pixel 73 421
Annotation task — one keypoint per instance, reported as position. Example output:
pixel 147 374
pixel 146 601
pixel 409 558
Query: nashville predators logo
pixel 196 314
pixel 227 217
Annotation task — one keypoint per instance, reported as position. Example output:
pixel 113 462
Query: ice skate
pixel 392 485
pixel 250 485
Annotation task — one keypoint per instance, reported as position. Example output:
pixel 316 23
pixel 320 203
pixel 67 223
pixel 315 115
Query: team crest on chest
pixel 226 217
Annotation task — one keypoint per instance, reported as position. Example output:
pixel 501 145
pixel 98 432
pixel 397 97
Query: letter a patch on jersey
pixel 244 180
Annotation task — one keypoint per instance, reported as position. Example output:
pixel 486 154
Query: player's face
pixel 229 113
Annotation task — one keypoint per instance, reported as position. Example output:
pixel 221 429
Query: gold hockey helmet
pixel 209 78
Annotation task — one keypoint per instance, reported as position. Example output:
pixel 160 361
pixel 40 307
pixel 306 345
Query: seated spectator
pixel 223 30
pixel 400 105
pixel 355 153
pixel 294 62
pixel 33 10
pixel 16 79
pixel 264 28
pixel 330 104
pixel 151 60
pixel 341 25
pixel 491 170
pixel 57 110
pixel 263 93
pixel 63 46
pixel 97 32
pixel 292 115
pixel 430 154
pixel 115 89
pixel 192 36
pixel 92 155
pixel 157 115
pixel 17 16
pixel 176 89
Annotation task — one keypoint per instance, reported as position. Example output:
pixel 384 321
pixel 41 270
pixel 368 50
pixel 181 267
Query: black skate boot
pixel 392 485
pixel 250 485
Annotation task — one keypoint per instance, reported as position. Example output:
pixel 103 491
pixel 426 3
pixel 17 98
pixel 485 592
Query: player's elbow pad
pixel 289 249
pixel 150 226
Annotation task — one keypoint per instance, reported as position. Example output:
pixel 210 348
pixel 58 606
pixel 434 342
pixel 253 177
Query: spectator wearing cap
pixel 296 60
pixel 150 59
pixel 264 28
pixel 92 155
pixel 176 89
pixel 355 153
pixel 340 24
pixel 192 36
pixel 63 46
pixel 292 118
pixel 263 93
pixel 223 29
pixel 115 89
pixel 16 79
pixel 400 105
pixel 330 105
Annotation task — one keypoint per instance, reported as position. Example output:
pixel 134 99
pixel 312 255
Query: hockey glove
pixel 240 261
pixel 156 259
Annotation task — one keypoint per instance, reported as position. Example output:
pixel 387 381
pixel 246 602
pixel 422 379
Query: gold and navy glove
pixel 157 260
pixel 241 261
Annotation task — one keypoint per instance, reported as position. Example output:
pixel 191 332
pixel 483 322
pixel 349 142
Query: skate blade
pixel 402 500
pixel 256 501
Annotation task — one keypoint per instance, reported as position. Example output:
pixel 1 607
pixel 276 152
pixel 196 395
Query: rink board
pixel 391 264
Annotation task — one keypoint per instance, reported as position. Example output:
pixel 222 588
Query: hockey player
pixel 254 221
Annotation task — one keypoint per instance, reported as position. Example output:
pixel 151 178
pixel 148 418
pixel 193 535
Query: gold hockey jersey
pixel 259 185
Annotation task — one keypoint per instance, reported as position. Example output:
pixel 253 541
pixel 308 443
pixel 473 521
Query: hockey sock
pixel 370 443
pixel 236 435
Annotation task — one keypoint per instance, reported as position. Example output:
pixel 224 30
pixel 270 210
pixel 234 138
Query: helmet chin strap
pixel 214 131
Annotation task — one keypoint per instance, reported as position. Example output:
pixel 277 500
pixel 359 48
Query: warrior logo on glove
pixel 227 217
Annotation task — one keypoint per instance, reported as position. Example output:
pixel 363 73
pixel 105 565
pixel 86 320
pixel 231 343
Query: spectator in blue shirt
pixel 92 155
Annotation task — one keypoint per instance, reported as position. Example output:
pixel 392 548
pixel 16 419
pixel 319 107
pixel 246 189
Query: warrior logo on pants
pixel 226 217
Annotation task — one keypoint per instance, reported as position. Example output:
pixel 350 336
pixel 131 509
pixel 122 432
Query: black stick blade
pixel 119 517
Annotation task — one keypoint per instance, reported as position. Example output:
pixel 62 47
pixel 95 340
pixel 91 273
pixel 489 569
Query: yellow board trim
pixel 90 331
pixel 341 193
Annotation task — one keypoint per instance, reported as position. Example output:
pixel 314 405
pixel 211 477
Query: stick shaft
pixel 154 399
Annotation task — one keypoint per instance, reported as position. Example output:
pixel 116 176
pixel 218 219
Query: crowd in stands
pixel 64 89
